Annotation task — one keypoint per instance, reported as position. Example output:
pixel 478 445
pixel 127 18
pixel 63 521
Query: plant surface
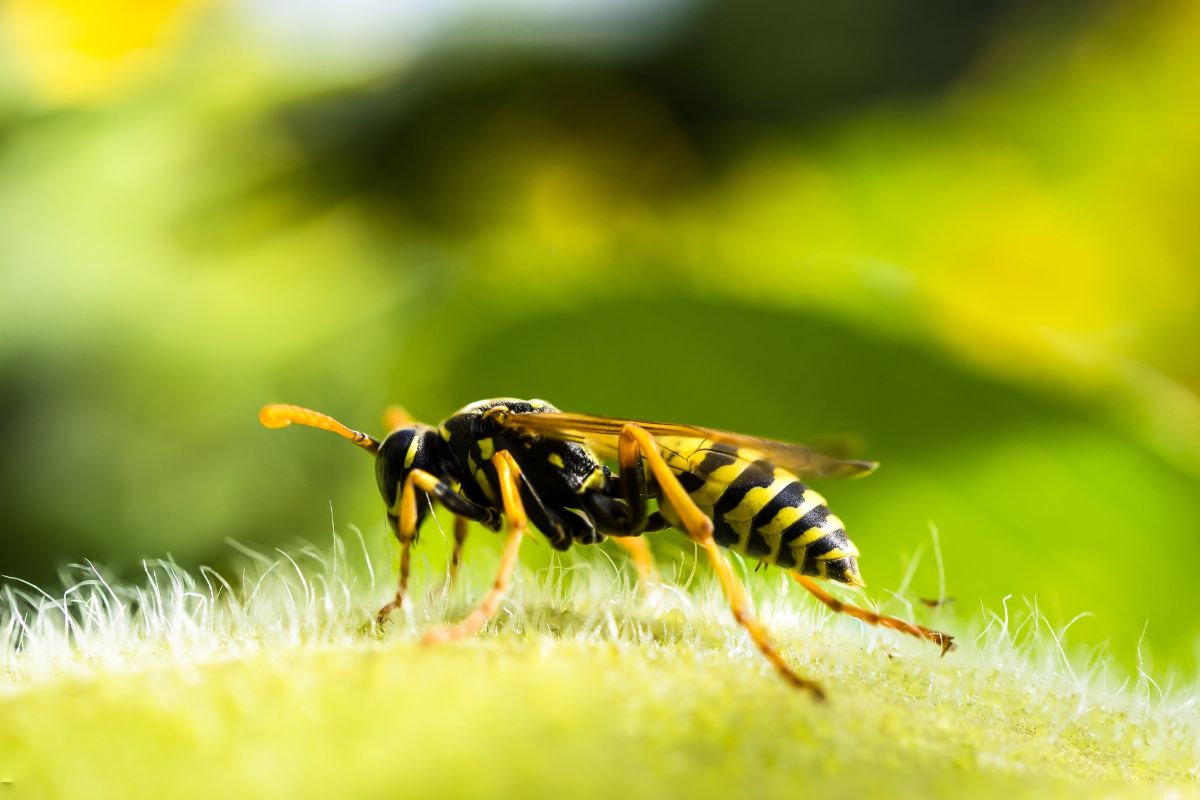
pixel 191 686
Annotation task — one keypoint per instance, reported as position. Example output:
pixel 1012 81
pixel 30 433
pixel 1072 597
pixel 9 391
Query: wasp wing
pixel 602 433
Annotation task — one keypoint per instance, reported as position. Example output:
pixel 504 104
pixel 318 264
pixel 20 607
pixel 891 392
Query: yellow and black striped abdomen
pixel 762 510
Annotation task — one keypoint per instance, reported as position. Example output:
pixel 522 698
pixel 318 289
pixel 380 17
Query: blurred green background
pixel 965 233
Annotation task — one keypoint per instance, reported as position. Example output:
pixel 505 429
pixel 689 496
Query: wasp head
pixel 404 450
pixel 410 446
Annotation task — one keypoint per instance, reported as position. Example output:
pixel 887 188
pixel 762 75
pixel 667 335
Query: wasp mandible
pixel 525 461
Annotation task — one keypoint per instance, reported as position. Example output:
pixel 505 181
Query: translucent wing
pixel 601 433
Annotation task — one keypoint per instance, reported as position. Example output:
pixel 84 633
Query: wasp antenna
pixel 280 415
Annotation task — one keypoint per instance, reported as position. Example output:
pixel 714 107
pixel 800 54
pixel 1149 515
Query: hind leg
pixel 943 640
pixel 637 443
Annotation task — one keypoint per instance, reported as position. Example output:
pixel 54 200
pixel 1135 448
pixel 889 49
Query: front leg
pixel 404 524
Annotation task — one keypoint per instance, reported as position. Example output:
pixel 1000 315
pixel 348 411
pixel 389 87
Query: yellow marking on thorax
pixel 482 479
pixel 411 455
pixel 487 448
pixel 556 460
pixel 593 482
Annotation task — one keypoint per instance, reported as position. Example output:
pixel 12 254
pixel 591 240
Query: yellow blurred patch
pixel 73 51
pixel 567 203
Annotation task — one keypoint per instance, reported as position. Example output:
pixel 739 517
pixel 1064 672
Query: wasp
pixel 525 461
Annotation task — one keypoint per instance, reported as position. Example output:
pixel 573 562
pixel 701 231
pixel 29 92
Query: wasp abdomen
pixel 765 511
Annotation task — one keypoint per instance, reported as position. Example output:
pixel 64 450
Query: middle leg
pixel 943 640
pixel 508 474
pixel 461 529
pixel 641 557
pixel 626 517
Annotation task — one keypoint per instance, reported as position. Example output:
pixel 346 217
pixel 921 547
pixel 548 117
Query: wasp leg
pixel 461 529
pixel 616 517
pixel 405 524
pixel 551 525
pixel 635 442
pixel 580 526
pixel 508 474
pixel 405 528
pixel 943 640
pixel 642 558
pixel 626 515
pixel 462 526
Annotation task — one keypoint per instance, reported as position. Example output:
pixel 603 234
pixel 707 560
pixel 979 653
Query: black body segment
pixel 523 460
pixel 556 475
